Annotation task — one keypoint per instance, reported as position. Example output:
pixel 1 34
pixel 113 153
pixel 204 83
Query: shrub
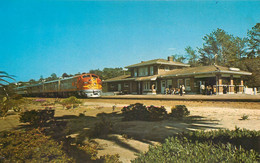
pixel 238 137
pixel 71 102
pixel 179 111
pixel 102 128
pixel 139 111
pixel 13 103
pixel 37 117
pixel 176 150
pixel 136 111
pixel 244 117
pixel 4 107
pixel 156 113
pixel 30 146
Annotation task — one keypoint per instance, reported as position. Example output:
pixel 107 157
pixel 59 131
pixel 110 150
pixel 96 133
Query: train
pixel 84 85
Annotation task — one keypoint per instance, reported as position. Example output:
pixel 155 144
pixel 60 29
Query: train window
pixel 94 76
pixel 86 76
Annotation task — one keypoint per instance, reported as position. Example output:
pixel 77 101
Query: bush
pixel 37 117
pixel 139 111
pixel 156 113
pixel 71 102
pixel 244 117
pixel 30 146
pixel 4 107
pixel 183 150
pixel 13 103
pixel 238 137
pixel 102 128
pixel 179 111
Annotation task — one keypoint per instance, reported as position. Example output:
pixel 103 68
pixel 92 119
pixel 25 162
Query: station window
pixel 151 70
pixel 126 85
pixel 146 86
pixel 135 72
pixel 143 71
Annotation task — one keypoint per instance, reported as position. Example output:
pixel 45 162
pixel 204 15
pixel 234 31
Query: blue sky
pixel 44 37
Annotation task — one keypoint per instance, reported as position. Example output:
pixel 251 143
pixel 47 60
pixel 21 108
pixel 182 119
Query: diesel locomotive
pixel 85 85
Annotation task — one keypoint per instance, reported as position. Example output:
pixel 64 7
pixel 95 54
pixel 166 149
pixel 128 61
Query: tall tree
pixel 253 42
pixel 192 56
pixel 221 48
pixel 178 58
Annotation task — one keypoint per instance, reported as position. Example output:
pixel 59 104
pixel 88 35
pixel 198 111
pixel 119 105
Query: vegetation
pixel 37 117
pixel 108 73
pixel 102 128
pixel 4 78
pixel 14 102
pixel 30 146
pixel 238 137
pixel 204 146
pixel 71 102
pixel 244 117
pixel 179 111
pixel 139 111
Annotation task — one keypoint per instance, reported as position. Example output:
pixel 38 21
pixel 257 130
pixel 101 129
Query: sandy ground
pixel 204 116
pixel 133 137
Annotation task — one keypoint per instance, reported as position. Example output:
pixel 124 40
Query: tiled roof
pixel 203 70
pixel 158 61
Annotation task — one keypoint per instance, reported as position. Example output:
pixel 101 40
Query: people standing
pixel 181 91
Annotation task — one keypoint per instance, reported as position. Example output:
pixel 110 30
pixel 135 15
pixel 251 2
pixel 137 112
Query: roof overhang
pixel 210 72
pixel 161 63
pixel 130 79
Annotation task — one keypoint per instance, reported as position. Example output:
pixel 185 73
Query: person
pixel 173 91
pixel 166 91
pixel 181 91
pixel 207 90
pixel 202 88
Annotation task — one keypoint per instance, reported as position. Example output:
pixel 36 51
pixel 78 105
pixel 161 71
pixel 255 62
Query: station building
pixel 158 75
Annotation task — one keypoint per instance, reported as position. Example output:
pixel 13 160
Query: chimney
pixel 170 58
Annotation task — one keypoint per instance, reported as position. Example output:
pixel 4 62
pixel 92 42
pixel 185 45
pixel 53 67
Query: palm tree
pixel 3 77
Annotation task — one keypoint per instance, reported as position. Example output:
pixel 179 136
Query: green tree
pixel 221 48
pixel 251 65
pixel 192 56
pixel 32 81
pixel 253 42
pixel 97 72
pixel 178 58
pixel 108 73
pixel 41 79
